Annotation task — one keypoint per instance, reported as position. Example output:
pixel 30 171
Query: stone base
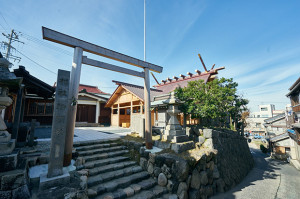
pixel 46 183
pixel 7 147
pixel 8 162
pixel 180 138
pixel 181 147
pixel 12 179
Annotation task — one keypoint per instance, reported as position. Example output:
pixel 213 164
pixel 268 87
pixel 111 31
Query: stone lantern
pixel 174 131
pixel 7 81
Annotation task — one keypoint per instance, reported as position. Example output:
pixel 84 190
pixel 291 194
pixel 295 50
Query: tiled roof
pixel 138 90
pixel 181 82
pixel 90 89
pixel 279 137
pixel 170 85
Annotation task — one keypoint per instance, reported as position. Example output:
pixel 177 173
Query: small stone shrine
pixel 167 117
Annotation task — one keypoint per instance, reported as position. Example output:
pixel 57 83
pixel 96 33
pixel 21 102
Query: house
pixel 38 102
pixel 127 101
pixel 91 105
pixel 293 122
pixel 280 146
pixel 275 125
pixel 257 122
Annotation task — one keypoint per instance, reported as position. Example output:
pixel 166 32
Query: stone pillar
pixel 148 131
pixel 58 133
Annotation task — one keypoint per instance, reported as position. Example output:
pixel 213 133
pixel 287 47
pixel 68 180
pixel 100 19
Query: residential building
pixel 294 123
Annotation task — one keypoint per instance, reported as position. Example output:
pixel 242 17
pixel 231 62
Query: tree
pixel 216 100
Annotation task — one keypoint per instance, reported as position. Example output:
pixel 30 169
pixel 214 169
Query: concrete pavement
pixel 268 179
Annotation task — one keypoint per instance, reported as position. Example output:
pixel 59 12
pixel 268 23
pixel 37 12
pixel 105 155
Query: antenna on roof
pixel 202 62
pixel 154 78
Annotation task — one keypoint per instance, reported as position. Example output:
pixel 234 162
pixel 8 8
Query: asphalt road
pixel 268 179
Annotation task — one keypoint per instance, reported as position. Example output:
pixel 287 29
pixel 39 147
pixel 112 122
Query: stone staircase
pixel 111 173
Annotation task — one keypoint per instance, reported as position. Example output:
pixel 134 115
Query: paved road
pixel 268 179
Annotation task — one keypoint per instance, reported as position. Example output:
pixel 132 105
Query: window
pixel 122 111
pixel 115 111
pixel 264 109
pixel 32 108
pixel 128 111
pixel 40 108
pixel 49 109
pixel 257 124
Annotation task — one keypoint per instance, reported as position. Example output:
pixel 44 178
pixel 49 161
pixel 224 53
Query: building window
pixel 40 108
pixel 115 111
pixel 49 109
pixel 128 111
pixel 32 108
pixel 122 111
pixel 264 109
pixel 257 125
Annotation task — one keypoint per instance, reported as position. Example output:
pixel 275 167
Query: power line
pixel 43 43
pixel 3 27
pixel 5 20
pixel 36 62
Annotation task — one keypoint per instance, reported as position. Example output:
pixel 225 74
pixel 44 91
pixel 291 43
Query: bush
pixel 263 148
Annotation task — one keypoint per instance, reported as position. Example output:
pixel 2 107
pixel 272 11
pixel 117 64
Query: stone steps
pixel 104 177
pixel 93 142
pixel 111 174
pixel 133 189
pixel 98 163
pixel 104 155
pixel 100 150
pixel 110 167
pixel 122 182
pixel 154 192
pixel 97 146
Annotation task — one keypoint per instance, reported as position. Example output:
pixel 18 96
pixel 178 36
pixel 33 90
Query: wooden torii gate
pixel 78 59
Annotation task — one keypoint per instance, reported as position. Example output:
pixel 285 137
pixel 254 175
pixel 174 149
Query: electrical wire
pixel 36 62
pixel 5 20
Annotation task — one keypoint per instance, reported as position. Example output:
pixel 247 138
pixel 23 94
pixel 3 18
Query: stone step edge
pixel 97 179
pixel 98 163
pixel 142 194
pixel 92 142
pixel 100 150
pixel 111 167
pixel 101 189
pixel 131 192
pixel 96 146
pixel 103 156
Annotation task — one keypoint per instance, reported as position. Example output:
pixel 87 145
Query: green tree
pixel 215 100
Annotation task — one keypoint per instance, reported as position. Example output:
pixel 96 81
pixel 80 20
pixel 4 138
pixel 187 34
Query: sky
pixel 257 41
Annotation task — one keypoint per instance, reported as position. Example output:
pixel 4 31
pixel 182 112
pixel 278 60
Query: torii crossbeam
pixel 78 59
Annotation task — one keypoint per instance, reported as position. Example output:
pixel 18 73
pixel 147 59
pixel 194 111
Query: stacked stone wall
pixel 224 159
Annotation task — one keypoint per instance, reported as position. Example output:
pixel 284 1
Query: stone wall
pixel 221 161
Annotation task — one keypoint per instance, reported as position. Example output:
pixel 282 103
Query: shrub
pixel 263 148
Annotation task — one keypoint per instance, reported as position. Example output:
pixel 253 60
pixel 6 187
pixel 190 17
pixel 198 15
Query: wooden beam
pixel 73 42
pixel 111 67
pixel 202 62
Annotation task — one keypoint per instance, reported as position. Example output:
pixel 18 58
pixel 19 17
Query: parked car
pixel 257 137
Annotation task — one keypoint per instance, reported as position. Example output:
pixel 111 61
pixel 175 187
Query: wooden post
pixel 148 133
pixel 73 95
pixel 18 109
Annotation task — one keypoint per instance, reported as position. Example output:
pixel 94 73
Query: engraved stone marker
pixel 58 133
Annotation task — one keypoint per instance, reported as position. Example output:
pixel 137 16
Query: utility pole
pixel 13 36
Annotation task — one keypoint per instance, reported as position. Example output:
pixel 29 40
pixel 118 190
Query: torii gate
pixel 78 59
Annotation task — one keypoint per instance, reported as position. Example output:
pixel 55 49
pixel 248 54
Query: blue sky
pixel 257 41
